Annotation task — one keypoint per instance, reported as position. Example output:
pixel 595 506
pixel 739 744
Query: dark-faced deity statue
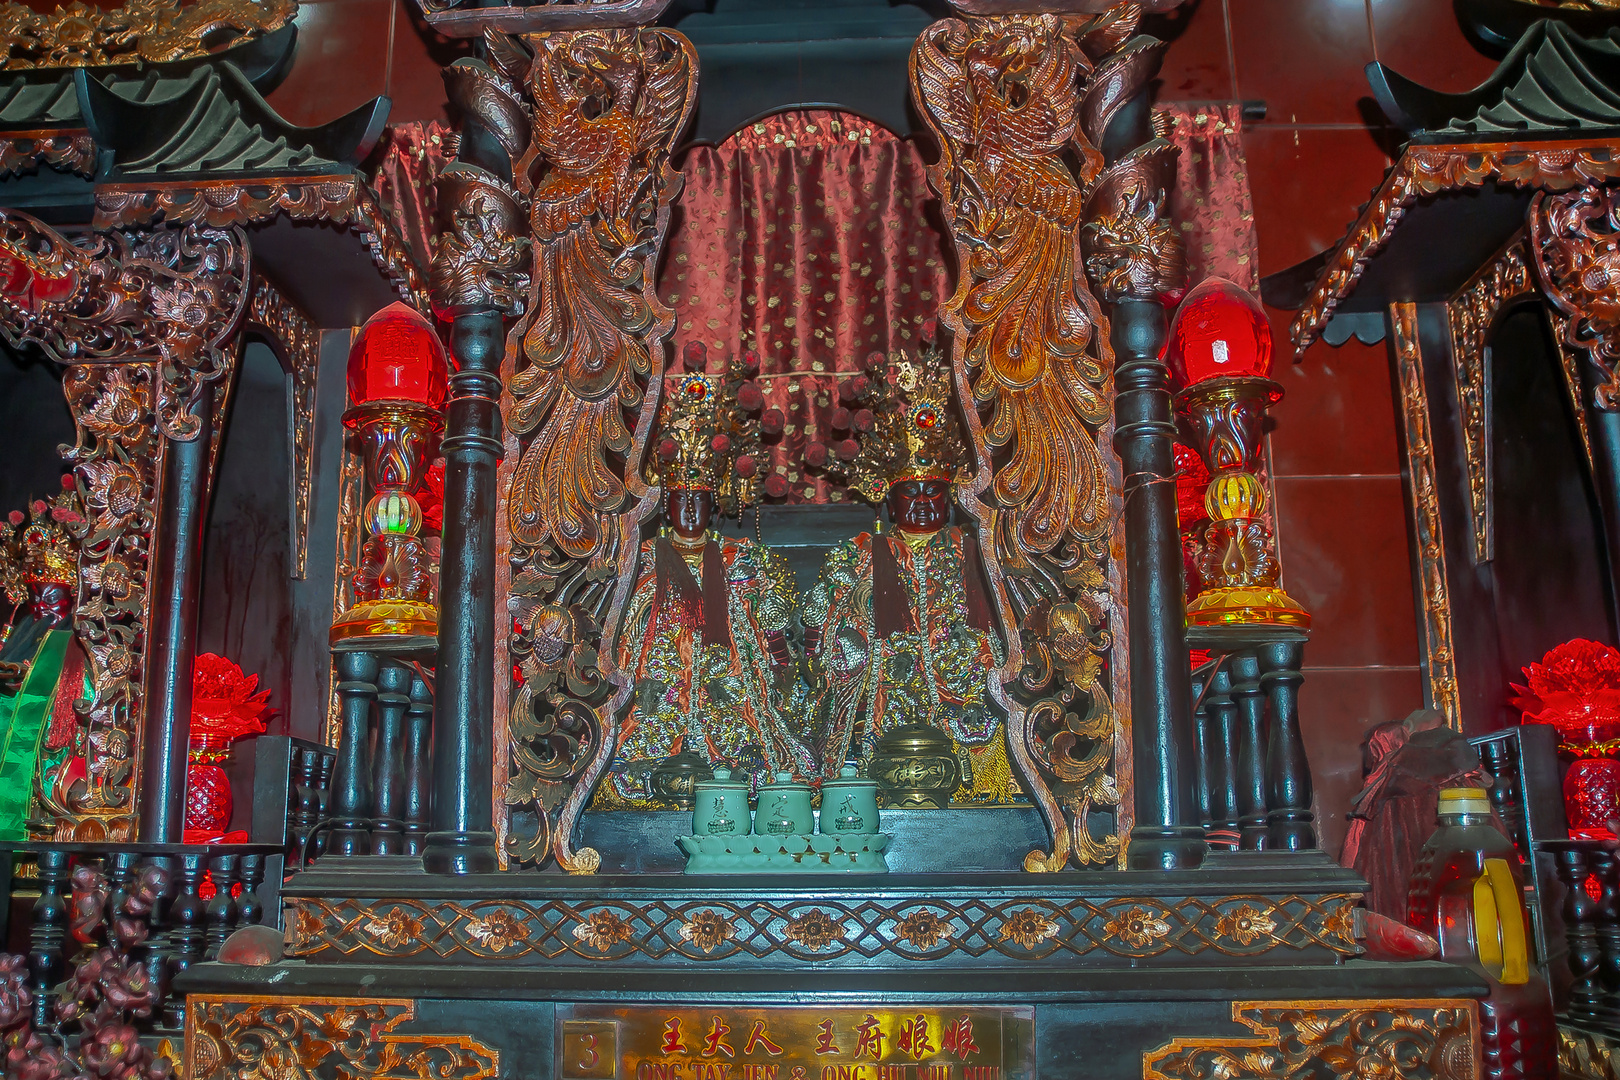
pixel 706 640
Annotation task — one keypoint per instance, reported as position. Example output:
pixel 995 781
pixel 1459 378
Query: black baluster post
pixel 1201 722
pixel 418 765
pixel 1606 868
pixel 1500 762
pixel 157 952
pixel 249 911
pixel 186 932
pixel 1580 925
pixel 1223 808
pixel 388 759
pixel 323 794
pixel 351 803
pixel 220 916
pixel 1251 759
pixel 1291 824
pixel 47 938
pixel 120 875
pixel 305 801
pixel 463 838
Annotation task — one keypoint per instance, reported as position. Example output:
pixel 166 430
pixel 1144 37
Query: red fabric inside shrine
pixel 812 236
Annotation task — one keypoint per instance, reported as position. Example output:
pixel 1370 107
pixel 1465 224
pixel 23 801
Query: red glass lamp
pixel 1219 355
pixel 1576 689
pixel 398 378
pixel 226 705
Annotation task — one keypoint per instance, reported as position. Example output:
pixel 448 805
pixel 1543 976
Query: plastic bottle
pixel 1467 893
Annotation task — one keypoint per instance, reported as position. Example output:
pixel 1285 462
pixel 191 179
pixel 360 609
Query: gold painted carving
pixel 1427 170
pixel 1024 928
pixel 1412 1039
pixel 140 32
pixel 1470 315
pixel 1575 240
pixel 1569 364
pixel 298 346
pixel 1441 664
pixel 1012 101
pixel 251 1035
pixel 67 151
pixel 1585 1055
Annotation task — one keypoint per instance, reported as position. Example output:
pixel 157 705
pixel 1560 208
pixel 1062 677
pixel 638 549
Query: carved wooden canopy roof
pixel 1548 119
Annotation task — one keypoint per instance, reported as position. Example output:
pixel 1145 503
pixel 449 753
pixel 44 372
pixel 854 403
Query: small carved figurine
pixel 901 620
pixel 706 637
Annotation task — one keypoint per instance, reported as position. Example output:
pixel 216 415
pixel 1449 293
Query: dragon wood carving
pixel 591 160
pixel 1575 241
pixel 1012 100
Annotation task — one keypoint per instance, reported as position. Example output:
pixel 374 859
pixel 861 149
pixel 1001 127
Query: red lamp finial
pixel 1219 331
pixel 397 357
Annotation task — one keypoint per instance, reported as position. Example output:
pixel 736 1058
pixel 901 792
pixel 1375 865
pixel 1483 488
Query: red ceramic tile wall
pixel 1313 162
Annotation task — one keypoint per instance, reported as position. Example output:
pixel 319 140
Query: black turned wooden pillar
pixel 1167 835
pixel 1251 759
pixel 47 938
pixel 388 759
pixel 418 765
pixel 1580 925
pixel 1291 825
pixel 176 584
pixel 1201 733
pixel 1223 753
pixel 1606 868
pixel 463 840
pixel 351 803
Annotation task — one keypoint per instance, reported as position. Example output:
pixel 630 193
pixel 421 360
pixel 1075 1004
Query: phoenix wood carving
pixel 590 143
pixel 1013 100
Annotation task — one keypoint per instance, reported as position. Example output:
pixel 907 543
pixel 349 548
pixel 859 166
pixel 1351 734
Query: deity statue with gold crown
pixel 900 620
pixel 706 640
pixel 42 667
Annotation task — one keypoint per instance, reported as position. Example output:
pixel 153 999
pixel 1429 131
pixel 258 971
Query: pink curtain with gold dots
pixel 812 237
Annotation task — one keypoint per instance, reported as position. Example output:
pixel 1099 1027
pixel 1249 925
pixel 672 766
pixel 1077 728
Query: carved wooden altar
pixel 515 930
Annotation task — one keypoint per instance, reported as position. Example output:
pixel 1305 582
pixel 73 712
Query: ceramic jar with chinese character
pixel 720 806
pixel 784 808
pixel 849 804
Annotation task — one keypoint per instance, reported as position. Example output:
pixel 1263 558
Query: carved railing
pixel 1254 777
pixel 381 778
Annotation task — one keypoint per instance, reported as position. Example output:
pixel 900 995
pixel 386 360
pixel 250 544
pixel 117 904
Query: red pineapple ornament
pixel 1576 689
pixel 226 705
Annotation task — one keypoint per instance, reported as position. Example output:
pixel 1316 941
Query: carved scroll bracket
pixel 297 344
pixel 1471 314
pixel 1441 661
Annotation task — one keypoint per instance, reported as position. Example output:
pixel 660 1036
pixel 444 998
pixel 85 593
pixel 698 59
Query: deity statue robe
pixel 921 657
pixel 42 674
pixel 700 641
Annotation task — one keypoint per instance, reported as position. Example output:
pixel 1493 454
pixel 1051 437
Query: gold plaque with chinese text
pixel 603 1042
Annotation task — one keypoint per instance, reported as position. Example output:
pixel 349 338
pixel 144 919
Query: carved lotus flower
pixel 1341 924
pixel 815 929
pixel 602 930
pixel 113 577
pixel 1028 927
pixel 114 493
pixel 395 928
pixel 1245 924
pixel 708 929
pixel 923 929
pixel 497 931
pixel 306 928
pixel 1138 927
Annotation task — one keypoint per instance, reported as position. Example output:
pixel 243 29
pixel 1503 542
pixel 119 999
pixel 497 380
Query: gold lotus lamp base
pixel 1246 606
pixel 375 624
